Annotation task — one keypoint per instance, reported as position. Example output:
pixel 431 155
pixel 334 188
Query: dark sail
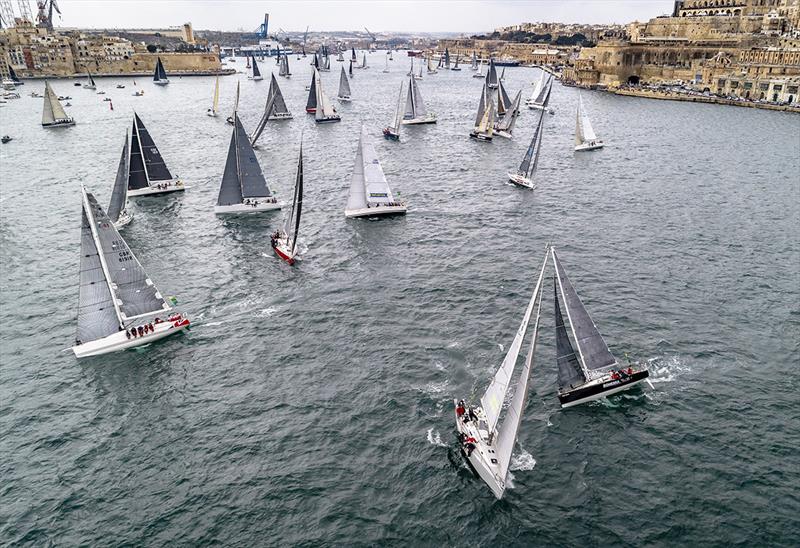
pixel 311 104
pixel 594 352
pixel 293 220
pixel 256 72
pixel 491 76
pixel 503 100
pixel 230 190
pixel 137 178
pixel 250 176
pixel 156 168
pixel 119 193
pixel 97 317
pixel 569 369
pixel 162 74
pixel 528 166
pixel 12 74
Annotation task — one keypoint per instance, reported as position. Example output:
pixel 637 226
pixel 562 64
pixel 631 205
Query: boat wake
pixel 522 461
pixel 434 438
pixel 666 368
pixel 266 312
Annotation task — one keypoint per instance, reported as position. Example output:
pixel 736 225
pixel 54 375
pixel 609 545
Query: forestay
pixel 119 194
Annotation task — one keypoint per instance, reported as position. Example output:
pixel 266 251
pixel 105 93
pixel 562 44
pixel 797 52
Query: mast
pixel 215 104
pixel 297 203
pixel 398 113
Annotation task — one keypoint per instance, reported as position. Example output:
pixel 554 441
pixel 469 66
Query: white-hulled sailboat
pixel 480 73
pixel 504 127
pixel 230 119
pixel 585 138
pixel 344 87
pixel 524 174
pixel 159 74
pixel 486 443
pixel 53 114
pixel 284 67
pixel 89 81
pixel 284 242
pixel 491 76
pixel 591 372
pixel 536 100
pixel 243 188
pixel 484 121
pixel 324 112
pixel 431 66
pixel 256 72
pixel 275 109
pixel 118 206
pixel 370 195
pixel 148 174
pixel 474 64
pixel 119 305
pixel 215 101
pixel 392 132
pixel 415 106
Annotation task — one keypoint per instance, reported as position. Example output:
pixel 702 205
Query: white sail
pixel 52 111
pixel 583 127
pixel 368 184
pixel 235 103
pixel 398 114
pixel 215 103
pixel 325 109
pixel 357 199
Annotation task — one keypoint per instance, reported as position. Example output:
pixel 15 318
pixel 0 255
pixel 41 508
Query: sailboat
pixel 243 188
pixel 311 102
pixel 392 132
pixel 353 57
pixel 418 75
pixel 486 442
pixel 370 194
pixel 350 70
pixel 484 121
pixel 275 109
pixel 431 66
pixel 456 67
pixel 474 64
pixel 536 100
pixel 215 102
pixel 117 208
pixel 119 305
pixel 340 58
pixel 284 242
pixel 53 114
pixel 415 107
pixel 248 61
pixel 524 174
pixel 447 58
pixel 585 138
pixel 324 112
pixel 390 55
pixel 480 73
pixel 344 87
pixel 363 61
pixel 503 74
pixel 230 119
pixel 284 67
pixel 504 127
pixel 503 100
pixel 159 74
pixel 592 372
pixel 256 72
pixel 411 70
pixel 89 81
pixel 386 68
pixel 491 76
pixel 148 174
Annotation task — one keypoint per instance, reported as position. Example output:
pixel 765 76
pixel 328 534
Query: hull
pixel 391 135
pixel 120 341
pixel 60 123
pixel 311 111
pixel 211 113
pixel 344 98
pixel 329 119
pixel 256 207
pixel 503 134
pixel 280 245
pixel 158 188
pixel 480 459
pixel 493 86
pixel 600 388
pixel 430 119
pixel 125 219
pixel 256 78
pixel 483 137
pixel 161 82
pixel 591 145
pixel 376 211
pixel 520 180
pixel 481 76
pixel 534 106
pixel 286 116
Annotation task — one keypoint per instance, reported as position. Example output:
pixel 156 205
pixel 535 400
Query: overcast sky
pixel 388 15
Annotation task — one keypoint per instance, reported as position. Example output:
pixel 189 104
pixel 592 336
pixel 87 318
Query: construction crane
pixel 45 16
pixel 261 31
pixel 372 38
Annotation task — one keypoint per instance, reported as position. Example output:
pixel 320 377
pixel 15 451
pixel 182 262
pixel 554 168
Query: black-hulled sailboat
pixel 284 242
pixel 159 74
pixel 243 188
pixel 117 207
pixel 370 194
pixel 586 371
pixel 119 305
pixel 148 175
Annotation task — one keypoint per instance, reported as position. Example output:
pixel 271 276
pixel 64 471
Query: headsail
pixel 256 72
pixel 503 100
pixel 119 194
pixel 52 111
pixel 344 84
pixel 311 104
pixel 593 352
pixel 583 127
pixel 491 76
pixel 235 102
pixel 398 113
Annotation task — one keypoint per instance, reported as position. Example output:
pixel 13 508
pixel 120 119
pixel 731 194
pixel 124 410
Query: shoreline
pixel 221 72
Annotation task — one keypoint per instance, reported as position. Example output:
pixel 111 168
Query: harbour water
pixel 312 405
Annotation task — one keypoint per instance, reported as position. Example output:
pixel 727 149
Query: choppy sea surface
pixel 311 405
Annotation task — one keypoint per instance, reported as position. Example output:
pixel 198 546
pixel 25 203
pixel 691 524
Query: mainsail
pixel 569 369
pixel 256 72
pixel 398 113
pixel 119 194
pixel 446 58
pixel 291 226
pixel 242 177
pixel 503 100
pixel 353 57
pixel 311 104
pixel 52 111
pixel 474 64
pixel 90 81
pixel 491 76
pixel 509 118
pixel 593 352
pixel 539 91
pixel 583 127
pixel 159 74
pixel 529 162
pixel 415 106
pixel 325 110
pixel 344 85
pixel 215 103
pixel 110 275
pixel 484 121
pixel 147 165
pixel 364 61
pixel 368 184
pixel 235 104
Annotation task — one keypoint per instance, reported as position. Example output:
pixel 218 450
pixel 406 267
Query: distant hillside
pixel 523 37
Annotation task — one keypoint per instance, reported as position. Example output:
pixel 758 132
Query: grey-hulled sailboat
pixel 117 207
pixel 148 175
pixel 324 112
pixel 53 114
pixel 243 188
pixel 275 109
pixel 344 87
pixel 486 442
pixel 370 195
pixel 284 242
pixel 159 74
pixel 586 371
pixel 416 113
pixel 119 306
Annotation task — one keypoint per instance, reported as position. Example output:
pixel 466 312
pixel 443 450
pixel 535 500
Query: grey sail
pixel 119 194
pixel 527 166
pixel 256 72
pixel 491 76
pixel 415 106
pixel 503 100
pixel 409 113
pixel 159 73
pixel 446 58
pixel 155 167
pixel 97 317
pixel 311 104
pixel 52 110
pixel 569 369
pixel 137 176
pixel 292 225
pixel 482 105
pixel 278 105
pixel 344 84
pixel 592 349
pixel 135 293
pixel 250 175
pixel 230 190
pixel 509 117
